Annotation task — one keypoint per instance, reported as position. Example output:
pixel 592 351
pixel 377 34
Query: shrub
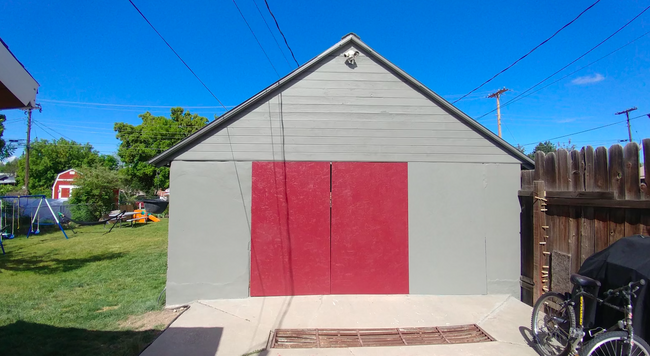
pixel 95 195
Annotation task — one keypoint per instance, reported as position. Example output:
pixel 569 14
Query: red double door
pixel 329 228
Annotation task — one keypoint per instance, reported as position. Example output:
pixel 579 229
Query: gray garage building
pixel 347 176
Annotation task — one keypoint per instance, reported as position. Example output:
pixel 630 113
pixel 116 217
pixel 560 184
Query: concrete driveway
pixel 237 327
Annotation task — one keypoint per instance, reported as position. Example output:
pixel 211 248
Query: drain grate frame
pixel 373 337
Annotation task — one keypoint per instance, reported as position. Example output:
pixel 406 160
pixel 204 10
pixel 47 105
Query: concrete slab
pixel 242 326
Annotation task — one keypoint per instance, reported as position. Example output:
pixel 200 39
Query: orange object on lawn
pixel 141 216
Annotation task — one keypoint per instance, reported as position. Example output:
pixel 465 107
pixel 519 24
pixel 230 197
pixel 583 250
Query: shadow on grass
pixel 24 338
pixel 48 265
pixel 110 227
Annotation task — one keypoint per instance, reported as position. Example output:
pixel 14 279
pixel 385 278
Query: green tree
pixel 95 192
pixel 48 158
pixel 6 150
pixel 9 166
pixel 546 147
pixel 153 136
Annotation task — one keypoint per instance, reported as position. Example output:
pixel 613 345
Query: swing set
pixel 35 215
pixel 12 205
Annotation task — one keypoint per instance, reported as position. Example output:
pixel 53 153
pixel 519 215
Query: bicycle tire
pixel 611 343
pixel 550 324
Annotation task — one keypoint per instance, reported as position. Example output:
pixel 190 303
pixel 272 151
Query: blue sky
pixel 99 62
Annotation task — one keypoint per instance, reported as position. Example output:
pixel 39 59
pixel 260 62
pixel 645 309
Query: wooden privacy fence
pixel 575 204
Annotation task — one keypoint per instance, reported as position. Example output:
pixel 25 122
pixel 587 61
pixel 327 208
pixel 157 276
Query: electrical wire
pixel 176 53
pixel 282 33
pixel 241 191
pixel 131 105
pixel 53 130
pixel 44 130
pixel 529 52
pixel 271 32
pixel 583 131
pixel 525 93
pixel 256 39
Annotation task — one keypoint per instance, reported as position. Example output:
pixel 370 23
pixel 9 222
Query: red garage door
pixel 369 228
pixel 290 228
pixel 321 228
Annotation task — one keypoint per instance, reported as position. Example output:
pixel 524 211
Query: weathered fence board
pixel 601 178
pixel 578 203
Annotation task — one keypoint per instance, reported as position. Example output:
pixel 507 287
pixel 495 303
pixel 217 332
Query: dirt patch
pixel 159 320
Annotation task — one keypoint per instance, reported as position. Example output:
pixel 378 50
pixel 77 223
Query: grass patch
pixel 68 297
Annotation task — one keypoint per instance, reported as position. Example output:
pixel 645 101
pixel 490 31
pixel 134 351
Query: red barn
pixel 63 184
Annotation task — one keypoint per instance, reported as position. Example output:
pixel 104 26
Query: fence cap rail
pixel 22 196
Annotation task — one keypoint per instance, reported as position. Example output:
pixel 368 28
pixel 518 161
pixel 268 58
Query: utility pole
pixel 27 146
pixel 627 113
pixel 497 95
pixel 29 130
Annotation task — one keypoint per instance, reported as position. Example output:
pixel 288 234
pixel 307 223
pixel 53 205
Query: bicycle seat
pixel 584 281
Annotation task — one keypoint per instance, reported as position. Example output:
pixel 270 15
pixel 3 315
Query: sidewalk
pixel 240 326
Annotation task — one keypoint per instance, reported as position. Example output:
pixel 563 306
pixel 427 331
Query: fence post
pixel 541 266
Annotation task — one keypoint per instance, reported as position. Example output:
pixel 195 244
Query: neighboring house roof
pixel 64 172
pixel 228 117
pixel 17 87
pixel 7 179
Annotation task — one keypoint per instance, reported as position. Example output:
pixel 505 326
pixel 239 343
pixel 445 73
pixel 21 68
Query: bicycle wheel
pixel 551 322
pixel 612 343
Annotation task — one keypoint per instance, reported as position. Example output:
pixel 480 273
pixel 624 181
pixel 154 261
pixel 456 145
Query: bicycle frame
pixel 576 336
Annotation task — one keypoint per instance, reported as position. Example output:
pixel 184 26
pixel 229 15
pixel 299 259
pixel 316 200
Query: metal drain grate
pixel 330 338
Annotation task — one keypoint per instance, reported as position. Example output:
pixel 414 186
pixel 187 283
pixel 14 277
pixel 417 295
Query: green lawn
pixel 68 297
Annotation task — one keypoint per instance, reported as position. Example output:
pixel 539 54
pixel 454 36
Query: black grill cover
pixel 625 261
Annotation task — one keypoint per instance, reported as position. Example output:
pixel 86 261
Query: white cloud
pixel 588 79
pixel 10 159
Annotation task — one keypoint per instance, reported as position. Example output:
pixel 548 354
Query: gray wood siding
pixel 339 113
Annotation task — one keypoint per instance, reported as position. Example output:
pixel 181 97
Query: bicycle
pixel 554 329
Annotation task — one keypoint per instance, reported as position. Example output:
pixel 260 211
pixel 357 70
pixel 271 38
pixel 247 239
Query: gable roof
pixel 64 172
pixel 349 39
pixel 17 87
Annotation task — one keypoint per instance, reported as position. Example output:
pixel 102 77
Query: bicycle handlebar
pixel 632 286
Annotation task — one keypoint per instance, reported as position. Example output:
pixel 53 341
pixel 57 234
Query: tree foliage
pixel 6 150
pixel 153 136
pixel 48 158
pixel 95 192
pixel 9 166
pixel 548 146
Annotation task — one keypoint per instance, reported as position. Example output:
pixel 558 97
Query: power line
pixel 529 52
pixel 524 95
pixel 232 152
pixel 282 33
pixel 271 32
pixel 587 130
pixel 256 40
pixel 44 130
pixel 130 105
pixel 53 130
pixel 177 55
pixel 575 60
